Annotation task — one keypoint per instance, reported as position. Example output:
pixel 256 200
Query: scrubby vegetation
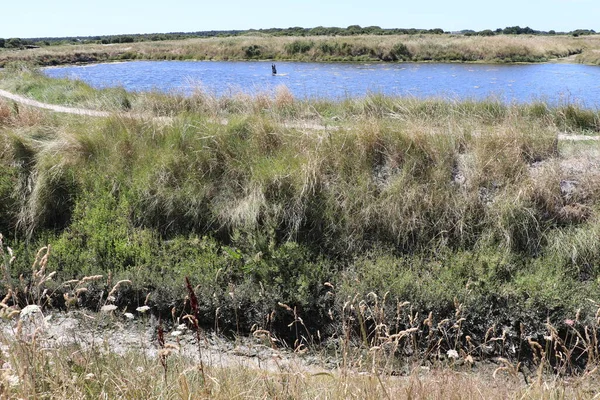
pixel 115 353
pixel 318 47
pixel 352 30
pixel 283 211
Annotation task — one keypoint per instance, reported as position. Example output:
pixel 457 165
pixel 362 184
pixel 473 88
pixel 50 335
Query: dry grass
pixel 473 201
pixel 502 48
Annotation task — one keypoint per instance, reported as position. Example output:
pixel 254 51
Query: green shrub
pixel 572 117
pixel 299 47
pixel 328 48
pixel 252 51
pixel 13 43
pixel 9 204
pixel 400 52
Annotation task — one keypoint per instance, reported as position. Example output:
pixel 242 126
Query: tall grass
pixel 263 199
pixel 502 48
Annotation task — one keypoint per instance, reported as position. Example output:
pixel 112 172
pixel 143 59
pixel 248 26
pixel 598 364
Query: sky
pixel 58 18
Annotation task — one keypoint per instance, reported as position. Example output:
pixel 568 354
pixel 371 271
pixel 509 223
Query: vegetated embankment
pixel 392 48
pixel 452 224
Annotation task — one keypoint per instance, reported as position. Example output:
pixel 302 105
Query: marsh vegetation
pixel 412 227
pixel 393 48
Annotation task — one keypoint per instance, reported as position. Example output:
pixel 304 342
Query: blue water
pixel 553 83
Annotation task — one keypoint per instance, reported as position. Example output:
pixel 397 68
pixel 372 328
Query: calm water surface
pixel 553 83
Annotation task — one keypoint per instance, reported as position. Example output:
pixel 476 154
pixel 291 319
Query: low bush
pixel 298 47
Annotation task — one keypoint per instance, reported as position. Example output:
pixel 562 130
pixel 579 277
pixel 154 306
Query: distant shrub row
pixel 351 30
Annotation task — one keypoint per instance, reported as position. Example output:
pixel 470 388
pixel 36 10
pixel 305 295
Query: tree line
pixel 352 30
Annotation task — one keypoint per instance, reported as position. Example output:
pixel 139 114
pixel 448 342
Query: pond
pixel 552 83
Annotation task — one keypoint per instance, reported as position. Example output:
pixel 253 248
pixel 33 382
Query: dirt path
pixel 120 335
pixel 53 107
pixel 577 138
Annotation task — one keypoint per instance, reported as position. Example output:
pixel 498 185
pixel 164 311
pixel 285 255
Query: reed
pixel 261 199
pixel 422 47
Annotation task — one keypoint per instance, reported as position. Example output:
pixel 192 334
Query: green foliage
pixel 253 51
pixel 400 52
pixel 299 47
pixel 9 204
pixel 571 117
pixel 517 30
pixel 14 43
pixel 486 32
pixel 426 199
pixel 328 48
pixel 583 32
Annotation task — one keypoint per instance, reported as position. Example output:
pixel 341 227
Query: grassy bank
pixel 590 57
pixel 423 47
pixel 279 209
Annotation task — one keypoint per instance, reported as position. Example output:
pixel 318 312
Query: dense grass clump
pixel 263 199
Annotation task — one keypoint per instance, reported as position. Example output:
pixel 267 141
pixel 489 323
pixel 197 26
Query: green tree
pixel 13 43
pixel 354 30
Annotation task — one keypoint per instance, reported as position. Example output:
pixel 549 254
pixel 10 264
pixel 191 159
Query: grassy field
pixel 432 225
pixel 423 47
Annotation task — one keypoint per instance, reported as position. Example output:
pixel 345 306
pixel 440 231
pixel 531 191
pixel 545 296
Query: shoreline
pixel 565 60
pixel 500 49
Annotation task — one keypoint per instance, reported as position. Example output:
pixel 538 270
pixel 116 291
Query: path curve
pixel 53 107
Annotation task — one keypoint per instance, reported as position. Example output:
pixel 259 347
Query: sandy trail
pixel 53 107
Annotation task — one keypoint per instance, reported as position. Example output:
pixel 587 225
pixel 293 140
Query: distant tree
pixel 13 43
pixel 2 41
pixel 517 30
pixel 317 31
pixel 583 32
pixel 486 32
pixel 354 30
pixel 436 31
pixel 373 30
pixel 551 32
pixel 528 31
